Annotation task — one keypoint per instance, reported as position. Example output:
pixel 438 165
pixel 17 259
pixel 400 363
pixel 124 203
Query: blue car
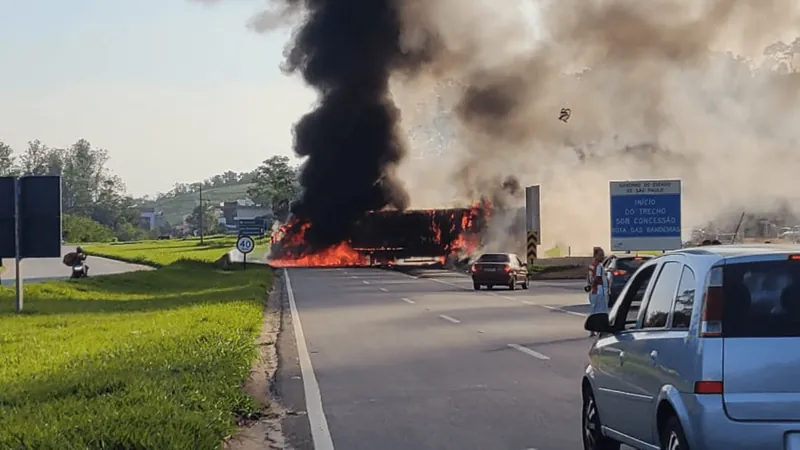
pixel 701 351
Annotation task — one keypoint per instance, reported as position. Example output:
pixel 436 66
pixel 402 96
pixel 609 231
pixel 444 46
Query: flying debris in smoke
pixel 565 114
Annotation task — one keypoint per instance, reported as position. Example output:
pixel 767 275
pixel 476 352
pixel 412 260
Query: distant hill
pixel 176 208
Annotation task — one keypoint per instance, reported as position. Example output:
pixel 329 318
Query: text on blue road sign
pixel 645 216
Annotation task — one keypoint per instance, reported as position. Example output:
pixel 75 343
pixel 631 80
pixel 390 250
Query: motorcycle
pixel 79 271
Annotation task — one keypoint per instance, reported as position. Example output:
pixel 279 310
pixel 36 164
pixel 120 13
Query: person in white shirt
pixel 598 284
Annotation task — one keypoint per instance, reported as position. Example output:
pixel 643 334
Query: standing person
pixel 598 283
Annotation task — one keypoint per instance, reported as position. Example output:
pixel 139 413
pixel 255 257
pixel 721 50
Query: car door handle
pixel 653 357
pixel 621 358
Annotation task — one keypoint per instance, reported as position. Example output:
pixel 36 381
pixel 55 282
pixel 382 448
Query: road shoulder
pixel 265 431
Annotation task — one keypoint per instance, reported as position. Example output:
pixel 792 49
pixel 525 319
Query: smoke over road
pixel 651 89
pixel 347 51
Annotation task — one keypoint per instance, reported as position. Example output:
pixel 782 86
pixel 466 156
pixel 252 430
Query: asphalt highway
pixel 390 361
pixel 46 269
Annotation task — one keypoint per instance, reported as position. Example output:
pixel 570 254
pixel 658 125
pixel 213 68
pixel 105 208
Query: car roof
pixel 737 250
pixel 633 256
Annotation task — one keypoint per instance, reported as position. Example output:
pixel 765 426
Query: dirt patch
pixel 264 432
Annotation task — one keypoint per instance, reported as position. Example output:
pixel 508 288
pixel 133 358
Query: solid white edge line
pixel 449 319
pixel 320 433
pixel 529 352
pixel 408 300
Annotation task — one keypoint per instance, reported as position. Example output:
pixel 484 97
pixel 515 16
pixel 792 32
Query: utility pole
pixel 202 215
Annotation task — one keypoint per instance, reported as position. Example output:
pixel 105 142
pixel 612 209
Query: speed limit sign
pixel 245 244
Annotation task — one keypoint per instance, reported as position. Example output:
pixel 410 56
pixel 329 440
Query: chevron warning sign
pixel 533 243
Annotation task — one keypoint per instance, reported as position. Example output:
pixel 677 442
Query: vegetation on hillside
pixel 151 359
pixel 97 209
pixel 176 207
pixel 88 188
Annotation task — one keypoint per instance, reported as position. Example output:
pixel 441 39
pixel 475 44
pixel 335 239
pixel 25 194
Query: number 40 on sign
pixel 245 245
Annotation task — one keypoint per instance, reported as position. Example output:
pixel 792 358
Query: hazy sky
pixel 174 90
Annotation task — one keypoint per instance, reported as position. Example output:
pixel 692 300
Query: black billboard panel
pixel 7 247
pixel 40 211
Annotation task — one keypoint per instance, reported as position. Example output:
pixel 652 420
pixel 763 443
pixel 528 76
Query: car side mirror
pixel 598 323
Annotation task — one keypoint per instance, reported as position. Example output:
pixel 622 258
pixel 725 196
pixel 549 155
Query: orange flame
pixel 338 256
pixel 291 237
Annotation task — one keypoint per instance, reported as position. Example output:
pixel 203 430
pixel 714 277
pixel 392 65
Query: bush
pixel 84 229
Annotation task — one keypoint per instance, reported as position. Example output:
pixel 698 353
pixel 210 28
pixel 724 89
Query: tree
pixel 111 207
pixel 7 160
pixel 276 184
pixel 210 222
pixel 83 229
pixel 39 159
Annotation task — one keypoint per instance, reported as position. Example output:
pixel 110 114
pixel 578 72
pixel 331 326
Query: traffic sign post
pixel 533 222
pixel 645 215
pixel 30 224
pixel 245 245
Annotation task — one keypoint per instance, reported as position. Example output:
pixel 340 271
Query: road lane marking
pixel 449 319
pixel 353 277
pixel 320 434
pixel 365 281
pixel 494 294
pixel 384 290
pixel 553 308
pixel 408 300
pixel 529 352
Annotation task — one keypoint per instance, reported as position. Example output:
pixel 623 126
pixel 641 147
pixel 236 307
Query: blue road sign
pixel 645 215
pixel 252 227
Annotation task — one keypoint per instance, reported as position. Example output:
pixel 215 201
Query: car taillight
pixel 619 273
pixel 708 387
pixel 507 268
pixel 711 325
pixel 474 268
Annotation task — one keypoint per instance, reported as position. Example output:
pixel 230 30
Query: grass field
pixel 176 208
pixel 162 253
pixel 145 360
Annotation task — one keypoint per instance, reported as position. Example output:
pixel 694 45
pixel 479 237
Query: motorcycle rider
pixel 79 259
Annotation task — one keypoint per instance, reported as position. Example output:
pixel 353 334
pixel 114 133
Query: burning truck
pixel 383 237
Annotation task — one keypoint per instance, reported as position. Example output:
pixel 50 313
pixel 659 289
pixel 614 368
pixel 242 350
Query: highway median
pixel 150 359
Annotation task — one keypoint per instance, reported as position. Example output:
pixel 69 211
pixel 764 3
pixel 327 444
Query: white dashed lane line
pixel 449 319
pixel 384 290
pixel 365 281
pixel 408 300
pixel 513 299
pixel 529 352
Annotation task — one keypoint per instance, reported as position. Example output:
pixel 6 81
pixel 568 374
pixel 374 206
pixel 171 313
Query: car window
pixel 494 257
pixel 630 265
pixel 627 308
pixel 663 295
pixel 684 300
pixel 761 299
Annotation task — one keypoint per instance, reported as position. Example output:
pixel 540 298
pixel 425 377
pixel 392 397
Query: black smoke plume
pixel 346 50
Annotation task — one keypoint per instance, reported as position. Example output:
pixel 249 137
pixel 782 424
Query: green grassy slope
pixel 143 360
pixel 176 208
